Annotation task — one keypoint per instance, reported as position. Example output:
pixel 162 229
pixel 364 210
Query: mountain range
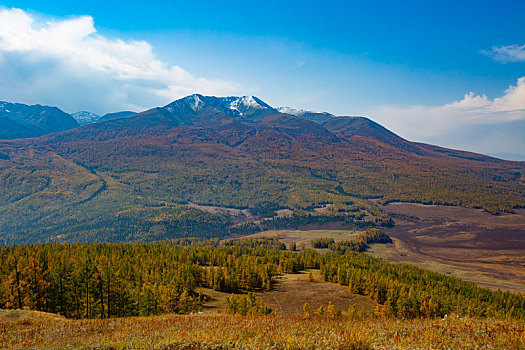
pixel 85 117
pixel 163 173
pixel 20 121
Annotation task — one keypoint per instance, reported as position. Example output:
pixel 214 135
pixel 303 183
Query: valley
pixel 220 167
pixel 277 175
pixel 212 167
pixel 346 309
pixel 463 242
pixel 304 235
pixel 467 243
pixel 230 208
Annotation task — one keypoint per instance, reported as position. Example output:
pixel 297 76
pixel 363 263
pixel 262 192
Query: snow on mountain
pixel 194 102
pixel 85 117
pixel 292 111
pixel 242 107
pixel 310 115
pixel 245 102
pixel 191 103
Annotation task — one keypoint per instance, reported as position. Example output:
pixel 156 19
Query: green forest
pixel 103 280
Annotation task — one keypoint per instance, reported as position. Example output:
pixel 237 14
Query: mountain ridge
pixel 19 120
pixel 131 178
pixel 247 109
pixel 116 115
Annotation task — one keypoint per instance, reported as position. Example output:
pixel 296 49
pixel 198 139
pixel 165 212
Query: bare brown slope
pixel 467 243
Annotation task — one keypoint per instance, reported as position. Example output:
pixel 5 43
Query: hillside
pixel 136 295
pixel 103 280
pixel 21 121
pixel 132 179
pixel 248 332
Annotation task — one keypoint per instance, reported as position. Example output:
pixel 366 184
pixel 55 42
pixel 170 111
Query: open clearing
pixel 291 291
pixel 466 243
pixel 304 237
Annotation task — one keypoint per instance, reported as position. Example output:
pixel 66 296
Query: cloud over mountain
pixel 66 62
pixel 494 123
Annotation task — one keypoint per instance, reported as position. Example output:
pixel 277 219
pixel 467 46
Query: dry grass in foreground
pixel 235 332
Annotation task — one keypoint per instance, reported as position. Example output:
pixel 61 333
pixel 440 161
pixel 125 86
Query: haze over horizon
pixel 445 73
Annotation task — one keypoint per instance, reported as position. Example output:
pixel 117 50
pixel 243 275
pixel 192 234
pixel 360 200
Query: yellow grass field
pixel 26 330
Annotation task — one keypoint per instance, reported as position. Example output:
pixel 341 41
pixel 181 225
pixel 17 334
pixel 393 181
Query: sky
pixel 450 73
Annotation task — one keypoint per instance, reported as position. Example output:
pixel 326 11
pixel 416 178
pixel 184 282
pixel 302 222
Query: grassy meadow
pixel 30 330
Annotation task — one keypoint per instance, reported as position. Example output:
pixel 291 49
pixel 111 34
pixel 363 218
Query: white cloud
pixel 67 63
pixel 450 124
pixel 510 53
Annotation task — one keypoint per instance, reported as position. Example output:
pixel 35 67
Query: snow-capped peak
pixel 243 107
pixel 85 117
pixel 244 103
pixel 195 102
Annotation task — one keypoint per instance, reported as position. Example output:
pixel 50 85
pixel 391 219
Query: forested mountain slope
pixel 129 179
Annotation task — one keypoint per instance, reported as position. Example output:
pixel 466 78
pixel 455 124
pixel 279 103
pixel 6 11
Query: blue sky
pixel 442 72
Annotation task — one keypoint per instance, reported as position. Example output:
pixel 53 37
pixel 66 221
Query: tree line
pixel 408 291
pixel 115 280
pixel 101 280
pixel 358 244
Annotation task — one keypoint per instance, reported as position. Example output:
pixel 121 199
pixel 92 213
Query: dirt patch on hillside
pixel 237 215
pixel 303 238
pixel 291 291
pixel 465 238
